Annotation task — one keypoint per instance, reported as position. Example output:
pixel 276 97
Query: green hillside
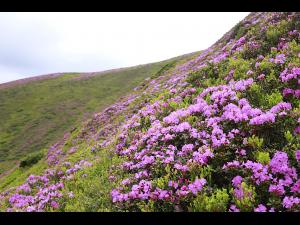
pixel 34 115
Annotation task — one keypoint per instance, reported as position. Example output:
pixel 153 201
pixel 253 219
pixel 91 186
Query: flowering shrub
pixel 184 155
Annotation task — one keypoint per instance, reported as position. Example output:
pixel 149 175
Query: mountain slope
pixel 219 132
pixel 35 112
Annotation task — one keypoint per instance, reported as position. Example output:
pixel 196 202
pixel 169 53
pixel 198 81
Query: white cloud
pixel 41 43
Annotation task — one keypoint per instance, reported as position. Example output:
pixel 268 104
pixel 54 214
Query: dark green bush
pixel 164 69
pixel 31 159
pixel 195 78
pixel 238 31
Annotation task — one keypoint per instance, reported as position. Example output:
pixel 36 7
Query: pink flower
pixel 296 187
pixel 287 91
pixel 71 195
pixel 289 202
pixel 297 155
pixel 261 76
pixel 260 208
pixel 233 208
pixel 237 181
pixel 54 205
pixel 197 185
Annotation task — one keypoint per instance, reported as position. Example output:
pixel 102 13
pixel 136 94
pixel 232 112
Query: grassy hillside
pixel 35 114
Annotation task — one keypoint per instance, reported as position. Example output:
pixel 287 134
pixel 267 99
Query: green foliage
pixel 192 120
pixel 247 202
pixel 91 193
pixel 273 99
pixel 288 136
pixel 274 32
pixel 145 123
pixel 241 66
pixel 238 31
pixel 265 66
pixel 295 47
pixel 261 96
pixel 31 159
pixel 19 175
pixel 196 77
pixel 164 69
pixel 148 206
pixel 255 142
pixel 254 94
pixel 197 171
pixel 263 157
pixel 216 202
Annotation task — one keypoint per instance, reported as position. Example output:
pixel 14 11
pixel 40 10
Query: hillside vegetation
pixel 35 114
pixel 218 132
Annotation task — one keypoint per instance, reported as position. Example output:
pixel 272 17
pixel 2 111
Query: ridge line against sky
pixel 43 43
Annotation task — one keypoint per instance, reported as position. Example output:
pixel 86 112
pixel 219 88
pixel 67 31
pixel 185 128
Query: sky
pixel 34 44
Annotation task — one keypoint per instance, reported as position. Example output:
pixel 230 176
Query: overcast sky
pixel 41 43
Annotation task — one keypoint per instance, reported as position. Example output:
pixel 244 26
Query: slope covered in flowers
pixel 219 132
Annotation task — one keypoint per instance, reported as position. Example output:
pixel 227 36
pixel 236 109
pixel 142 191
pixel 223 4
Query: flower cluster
pixel 288 74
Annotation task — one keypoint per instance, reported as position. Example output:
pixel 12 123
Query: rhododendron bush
pixel 219 132
pixel 210 140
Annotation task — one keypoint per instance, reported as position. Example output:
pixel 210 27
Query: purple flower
pixel 242 152
pixel 277 189
pixel 281 106
pixel 289 202
pixel 285 75
pixel 249 72
pixel 72 150
pixel 71 195
pixel 180 167
pixel 297 93
pixel 297 155
pixel 187 148
pixel 260 172
pixel 197 185
pixel 173 184
pixel 280 59
pixel 261 76
pixel 185 126
pixel 236 181
pixel 25 188
pixel 260 208
pixel 287 91
pixel 260 57
pixel 264 118
pixel 54 204
pixel 279 163
pixel 111 178
pixel 238 192
pixel 233 208
pixel 296 187
pixel 297 130
pixel 233 164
